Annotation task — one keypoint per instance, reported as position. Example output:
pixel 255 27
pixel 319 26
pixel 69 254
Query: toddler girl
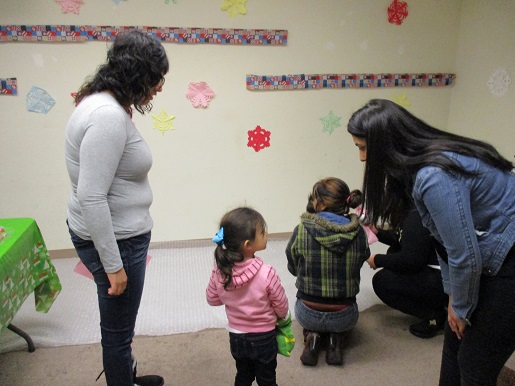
pixel 252 293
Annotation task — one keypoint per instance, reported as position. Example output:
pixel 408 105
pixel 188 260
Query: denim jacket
pixel 473 217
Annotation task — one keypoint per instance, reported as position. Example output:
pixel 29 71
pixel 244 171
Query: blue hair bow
pixel 219 237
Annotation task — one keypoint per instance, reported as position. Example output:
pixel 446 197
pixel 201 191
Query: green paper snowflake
pixel 330 122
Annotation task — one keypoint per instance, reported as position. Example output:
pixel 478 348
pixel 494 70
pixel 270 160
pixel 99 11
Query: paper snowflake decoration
pixel 234 7
pixel 330 122
pixel 258 138
pixel 163 122
pixel 499 82
pixel 39 101
pixel 397 12
pixel 401 100
pixel 199 94
pixel 70 6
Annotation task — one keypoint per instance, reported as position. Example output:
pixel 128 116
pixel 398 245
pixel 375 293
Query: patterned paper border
pixel 8 86
pixel 317 81
pixel 78 33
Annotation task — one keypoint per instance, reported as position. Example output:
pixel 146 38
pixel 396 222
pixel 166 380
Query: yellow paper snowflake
pixel 163 122
pixel 234 7
pixel 401 100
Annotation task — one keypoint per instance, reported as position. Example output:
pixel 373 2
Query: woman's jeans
pixel 489 341
pixel 256 357
pixel 117 313
pixel 326 322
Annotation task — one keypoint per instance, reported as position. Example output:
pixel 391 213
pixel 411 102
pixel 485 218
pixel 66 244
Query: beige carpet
pixel 380 351
pixel 192 348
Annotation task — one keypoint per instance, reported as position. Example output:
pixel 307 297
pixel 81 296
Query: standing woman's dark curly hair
pixel 135 64
pixel 398 145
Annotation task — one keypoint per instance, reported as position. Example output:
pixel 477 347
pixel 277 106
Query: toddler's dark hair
pixel 335 196
pixel 240 225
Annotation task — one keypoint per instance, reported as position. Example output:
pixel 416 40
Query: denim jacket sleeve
pixel 443 201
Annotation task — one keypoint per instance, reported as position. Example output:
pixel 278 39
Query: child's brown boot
pixel 309 356
pixel 334 353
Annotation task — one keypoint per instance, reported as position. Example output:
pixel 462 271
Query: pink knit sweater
pixel 254 301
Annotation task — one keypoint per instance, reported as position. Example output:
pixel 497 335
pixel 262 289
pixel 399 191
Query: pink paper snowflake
pixel 199 94
pixel 70 6
pixel 258 138
pixel 397 12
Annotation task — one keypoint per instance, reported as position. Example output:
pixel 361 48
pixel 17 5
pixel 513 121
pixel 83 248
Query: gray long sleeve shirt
pixel 108 163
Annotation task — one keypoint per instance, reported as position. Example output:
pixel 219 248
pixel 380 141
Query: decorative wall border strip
pixel 8 86
pixel 80 33
pixel 318 81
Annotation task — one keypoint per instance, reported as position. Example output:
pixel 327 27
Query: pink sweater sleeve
pixel 211 293
pixel 277 294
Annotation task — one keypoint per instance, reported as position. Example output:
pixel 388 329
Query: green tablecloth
pixel 25 267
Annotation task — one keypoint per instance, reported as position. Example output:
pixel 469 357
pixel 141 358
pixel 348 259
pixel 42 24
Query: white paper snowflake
pixel 499 82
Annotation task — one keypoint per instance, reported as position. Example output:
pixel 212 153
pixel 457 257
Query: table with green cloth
pixel 25 267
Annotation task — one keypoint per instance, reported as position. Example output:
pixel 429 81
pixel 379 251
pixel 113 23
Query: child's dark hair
pixel 335 196
pixel 239 225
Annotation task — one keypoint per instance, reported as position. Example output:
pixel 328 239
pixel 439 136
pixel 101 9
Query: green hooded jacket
pixel 327 258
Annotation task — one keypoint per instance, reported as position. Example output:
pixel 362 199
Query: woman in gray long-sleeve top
pixel 108 209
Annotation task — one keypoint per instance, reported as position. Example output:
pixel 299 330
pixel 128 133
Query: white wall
pixel 486 43
pixel 204 167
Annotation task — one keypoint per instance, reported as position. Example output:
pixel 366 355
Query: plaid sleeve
pixel 291 254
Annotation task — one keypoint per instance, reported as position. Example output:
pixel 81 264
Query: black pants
pixel 419 294
pixel 256 358
pixel 489 341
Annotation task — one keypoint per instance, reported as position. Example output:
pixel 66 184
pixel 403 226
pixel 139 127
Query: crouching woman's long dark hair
pixel 398 145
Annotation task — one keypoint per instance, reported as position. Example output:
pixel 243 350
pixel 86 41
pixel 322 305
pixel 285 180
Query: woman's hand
pixel 457 325
pixel 118 281
pixel 371 262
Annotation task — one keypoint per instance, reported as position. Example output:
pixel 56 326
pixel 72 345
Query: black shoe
pixel 426 329
pixel 145 380
pixel 149 380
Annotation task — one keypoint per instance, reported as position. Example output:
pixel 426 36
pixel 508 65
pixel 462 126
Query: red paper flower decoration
pixel 397 12
pixel 258 138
